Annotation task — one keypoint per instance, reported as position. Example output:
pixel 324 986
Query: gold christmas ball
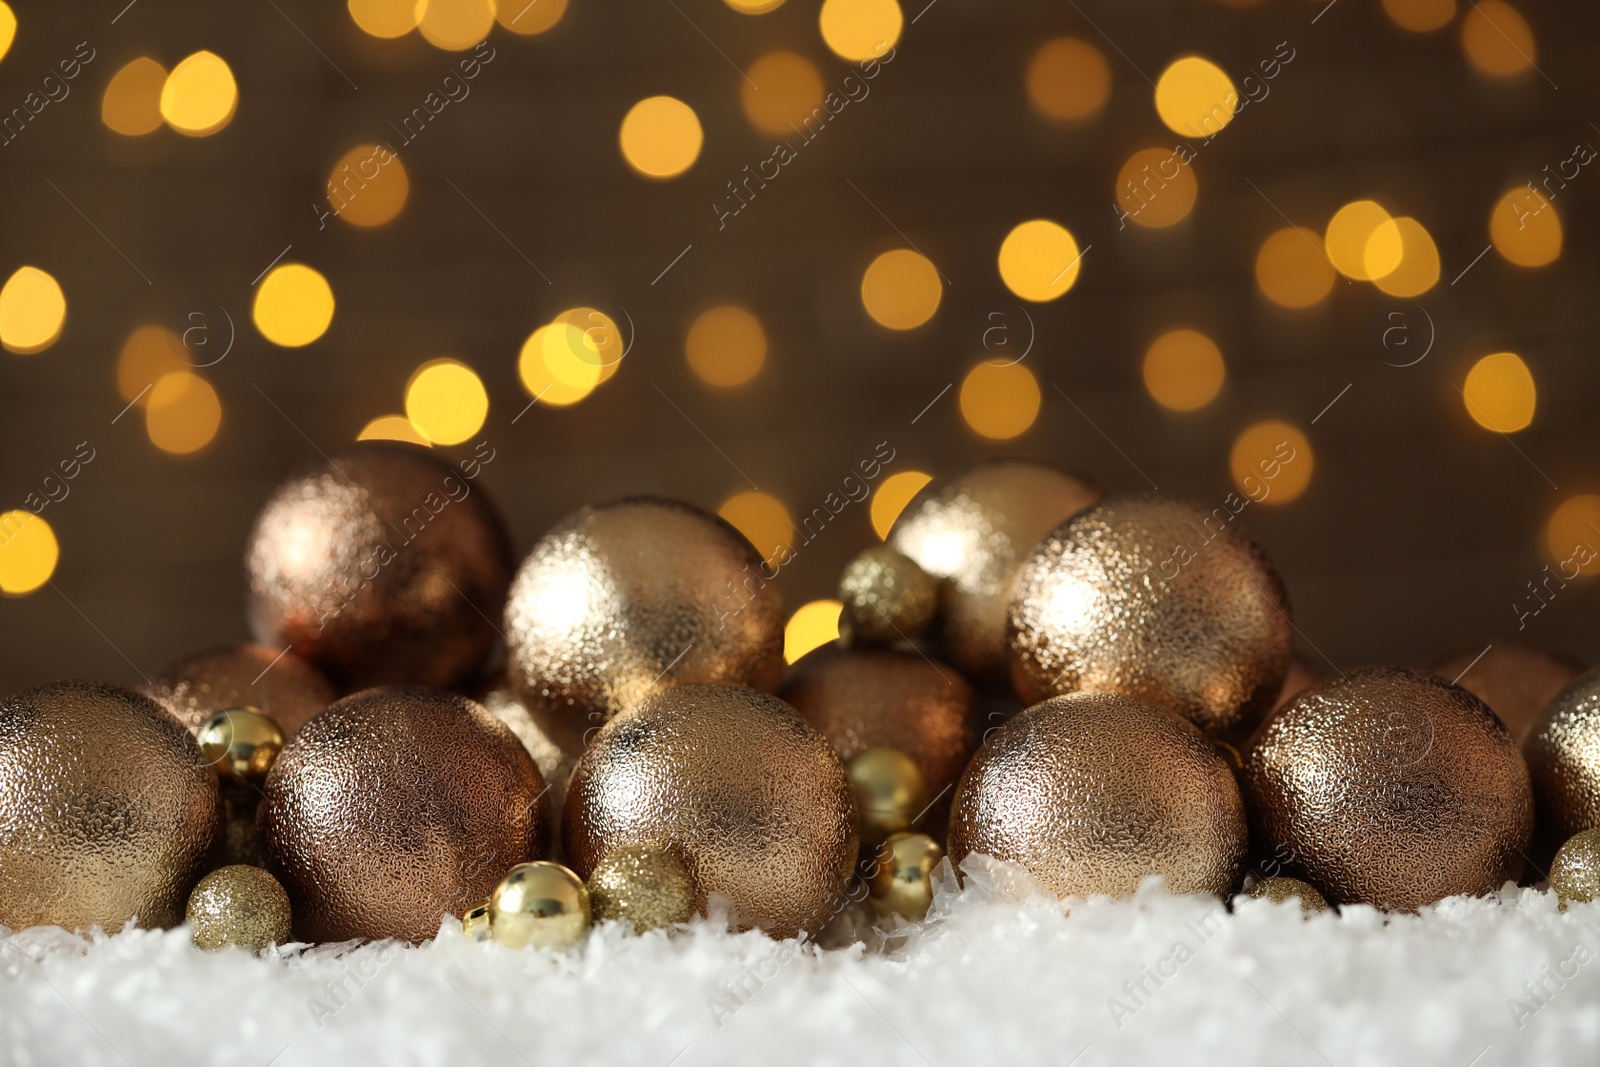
pixel 973 528
pixel 1157 598
pixel 240 744
pixel 646 886
pixel 239 905
pixel 1575 872
pixel 554 762
pixel 900 874
pixel 281 684
pixel 1517 681
pixel 886 597
pixel 1284 888
pixel 542 904
pixel 383 566
pixel 1564 761
pixel 1390 787
pixel 889 789
pixel 394 807
pixel 107 811
pixel 738 786
pixel 475 924
pixel 626 599
pixel 1091 792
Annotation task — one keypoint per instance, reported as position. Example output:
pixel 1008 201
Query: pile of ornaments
pixel 1094 688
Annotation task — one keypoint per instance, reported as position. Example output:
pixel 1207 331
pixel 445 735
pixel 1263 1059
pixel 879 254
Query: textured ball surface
pixel 1564 760
pixel 107 811
pixel 886 597
pixel 554 762
pixel 1517 681
pixel 279 684
pixel 1575 872
pixel 394 807
pixel 239 905
pixel 1157 598
pixel 1390 787
pixel 644 886
pixel 1092 792
pixel 382 567
pixel 738 786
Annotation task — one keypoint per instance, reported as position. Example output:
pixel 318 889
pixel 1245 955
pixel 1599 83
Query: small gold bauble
pixel 1563 754
pixel 280 683
pixel 886 597
pixel 973 528
pixel 239 905
pixel 543 905
pixel 1092 792
pixel 1284 888
pixel 1390 787
pixel 646 886
pixel 889 789
pixel 1575 872
pixel 900 874
pixel 241 744
pixel 1517 681
pixel 1158 598
pixel 475 924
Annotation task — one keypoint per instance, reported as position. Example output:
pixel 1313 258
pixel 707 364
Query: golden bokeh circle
pixel 28 552
pixel 33 311
pixel 200 95
pixel 1183 370
pixel 1291 269
pixel 726 346
pixel 446 401
pixel 293 305
pixel 1497 39
pixel 368 186
pixel 901 289
pixel 131 104
pixel 1525 227
pixel 1271 462
pixel 782 90
pixel 1500 393
pixel 860 30
pixel 660 137
pixel 811 626
pixel 529 17
pixel 1069 80
pixel 1156 188
pixel 1195 97
pixel 1000 400
pixel 1039 260
pixel 182 413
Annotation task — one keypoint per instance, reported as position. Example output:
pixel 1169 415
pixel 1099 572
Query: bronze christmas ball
pixel 1564 761
pixel 1517 681
pixel 1091 792
pixel 383 566
pixel 107 810
pixel 279 684
pixel 738 786
pixel 395 807
pixel 622 600
pixel 1154 597
pixel 973 528
pixel 1390 787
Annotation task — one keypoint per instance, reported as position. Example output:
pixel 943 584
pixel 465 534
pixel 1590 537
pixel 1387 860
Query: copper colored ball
pixel 886 597
pixel 1564 759
pixel 107 811
pixel 1158 598
pixel 1517 681
pixel 625 599
pixel 554 762
pixel 1092 792
pixel 280 684
pixel 1390 787
pixel 734 782
pixel 385 566
pixel 973 528
pixel 394 807
pixel 241 906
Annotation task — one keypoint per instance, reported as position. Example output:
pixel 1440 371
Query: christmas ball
pixel 972 528
pixel 475 924
pixel 1157 598
pixel 239 905
pixel 1564 761
pixel 886 598
pixel 1091 792
pixel 107 811
pixel 890 792
pixel 554 762
pixel 278 683
pixel 738 786
pixel 1390 787
pixel 1575 872
pixel 383 566
pixel 644 886
pixel 394 807
pixel 626 599
pixel 240 744
pixel 1517 681
pixel 900 874
pixel 542 905
pixel 1284 888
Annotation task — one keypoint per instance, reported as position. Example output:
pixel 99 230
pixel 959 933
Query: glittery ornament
pixel 1564 761
pixel 900 874
pixel 539 905
pixel 973 528
pixel 886 597
pixel 1517 681
pixel 890 792
pixel 1092 792
pixel 626 599
pixel 241 906
pixel 240 744
pixel 645 886
pixel 1284 888
pixel 1154 597
pixel 279 683
pixel 394 807
pixel 1390 787
pixel 738 786
pixel 1575 872
pixel 107 810
pixel 384 566
pixel 475 924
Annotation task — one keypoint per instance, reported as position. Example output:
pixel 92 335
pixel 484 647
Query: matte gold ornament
pixel 625 599
pixel 1092 792
pixel 1517 681
pixel 475 924
pixel 394 807
pixel 1564 761
pixel 240 744
pixel 1390 787
pixel 642 885
pixel 539 905
pixel 1284 888
pixel 1575 872
pixel 886 597
pixel 384 566
pixel 890 792
pixel 738 786
pixel 107 811
pixel 281 684
pixel 973 528
pixel 240 906
pixel 900 874
pixel 1157 598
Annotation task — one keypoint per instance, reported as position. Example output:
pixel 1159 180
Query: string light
pixel 293 305
pixel 455 25
pixel 1497 39
pixel 811 626
pixel 660 137
pixel 28 552
pixel 583 340
pixel 900 289
pixel 149 354
pixel 8 28
pixel 578 377
pixel 1156 189
pixel 392 428
pixel 1418 268
pixel 386 18
pixel 131 105
pixel 1069 80
pixel 1000 400
pixel 1499 393
pixel 1039 260
pixel 783 89
pixel 182 414
pixel 1420 16
pixel 1571 527
pixel 529 17
pixel 891 498
pixel 33 310
pixel 859 30
pixel 446 401
pixel 368 186
pixel 1271 462
pixel 763 520
pixel 1525 228
pixel 1349 232
pixel 1194 97
pixel 1292 270
pixel 726 346
pixel 754 7
pixel 1183 370
pixel 200 95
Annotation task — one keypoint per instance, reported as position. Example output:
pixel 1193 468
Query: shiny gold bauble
pixel 384 566
pixel 734 782
pixel 107 811
pixel 542 905
pixel 240 744
pixel 900 874
pixel 241 906
pixel 886 598
pixel 1575 872
pixel 281 684
pixel 645 886
pixel 475 924
pixel 890 792
pixel 1157 598
pixel 394 807
pixel 1092 792
pixel 1284 888
pixel 626 599
pixel 973 528
pixel 554 762
pixel 1390 787
pixel 1517 681
pixel 1564 760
